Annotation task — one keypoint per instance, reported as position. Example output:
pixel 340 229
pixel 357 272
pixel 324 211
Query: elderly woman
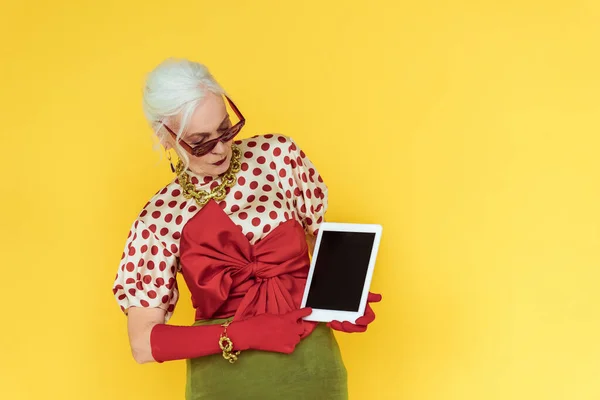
pixel 234 222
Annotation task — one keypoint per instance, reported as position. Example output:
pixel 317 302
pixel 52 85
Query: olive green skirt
pixel 314 370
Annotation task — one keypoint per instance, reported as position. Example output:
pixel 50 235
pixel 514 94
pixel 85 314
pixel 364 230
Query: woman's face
pixel 207 120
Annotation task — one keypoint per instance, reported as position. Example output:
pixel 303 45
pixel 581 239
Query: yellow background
pixel 469 129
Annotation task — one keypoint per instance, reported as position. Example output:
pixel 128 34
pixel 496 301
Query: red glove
pixel 362 322
pixel 267 332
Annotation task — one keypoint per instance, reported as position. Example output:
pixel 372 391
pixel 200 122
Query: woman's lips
pixel 218 163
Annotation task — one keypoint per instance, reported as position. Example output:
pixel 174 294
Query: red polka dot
pixel 162 266
pixel 131 250
pixel 152 294
pixel 304 177
pixel 253 185
pixel 147 279
pixel 144 303
pixel 273 215
pixel 251 198
pixel 143 213
pixel 261 160
pixel 293 163
pixel 249 236
pixel 173 248
pixel 263 198
pixel 150 265
pixel 270 178
pixel 156 214
pixel 238 195
pixel 192 208
pixel 302 154
pixel 122 297
pixel 291 181
pixel 251 144
pixel 277 204
pixel 268 136
pixel 164 231
pixel 159 282
pixel 309 221
pixel 154 250
pixel 179 220
pixel 266 228
pixel 280 196
pixel 282 173
pixel 265 146
pixel 260 209
pixel 320 220
pixel 286 160
pixel 171 308
pixel 241 180
pixel 303 209
pixel 195 180
pixel 165 299
pixel 145 234
pixel 267 188
pixel 257 171
pixel 183 205
pixel 293 147
pixel 167 253
pixel 286 215
pixel 297 192
pixel 139 285
pixel 308 194
pixel 175 192
pixel 320 179
pixel 172 204
pixel 277 151
pixel 288 194
pixel 243 215
pixel 168 218
pixel 255 221
pixel 248 154
pixel 141 262
pixel 130 266
pixel 130 281
pixel 281 139
pixel 273 165
pixel 223 204
pixel 214 185
pixel 152 228
pixel 159 202
pixel 177 235
pixel 244 166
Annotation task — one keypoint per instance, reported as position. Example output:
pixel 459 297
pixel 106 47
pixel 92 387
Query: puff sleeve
pixel 308 188
pixel 147 272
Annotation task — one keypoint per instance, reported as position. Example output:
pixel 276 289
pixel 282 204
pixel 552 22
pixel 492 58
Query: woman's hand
pixel 362 322
pixel 269 332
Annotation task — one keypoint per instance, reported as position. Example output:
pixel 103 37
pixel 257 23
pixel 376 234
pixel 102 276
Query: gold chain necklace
pixel 219 192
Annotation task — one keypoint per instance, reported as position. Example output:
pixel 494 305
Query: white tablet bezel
pixel 324 315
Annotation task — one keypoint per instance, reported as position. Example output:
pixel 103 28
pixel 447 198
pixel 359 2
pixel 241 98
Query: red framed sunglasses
pixel 206 147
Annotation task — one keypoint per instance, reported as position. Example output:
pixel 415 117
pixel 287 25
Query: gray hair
pixel 176 87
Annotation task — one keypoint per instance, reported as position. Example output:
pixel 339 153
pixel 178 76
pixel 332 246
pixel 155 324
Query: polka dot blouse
pixel 277 182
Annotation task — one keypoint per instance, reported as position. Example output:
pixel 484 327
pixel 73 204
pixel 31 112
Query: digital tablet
pixel 340 272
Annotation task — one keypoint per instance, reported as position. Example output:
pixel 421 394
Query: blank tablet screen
pixel 340 270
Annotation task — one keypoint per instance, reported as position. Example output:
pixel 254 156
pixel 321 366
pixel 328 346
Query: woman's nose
pixel 219 148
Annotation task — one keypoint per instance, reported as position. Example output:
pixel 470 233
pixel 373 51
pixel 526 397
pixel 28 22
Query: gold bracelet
pixel 227 345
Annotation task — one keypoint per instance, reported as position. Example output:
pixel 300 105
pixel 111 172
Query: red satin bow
pixel 362 322
pixel 227 275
